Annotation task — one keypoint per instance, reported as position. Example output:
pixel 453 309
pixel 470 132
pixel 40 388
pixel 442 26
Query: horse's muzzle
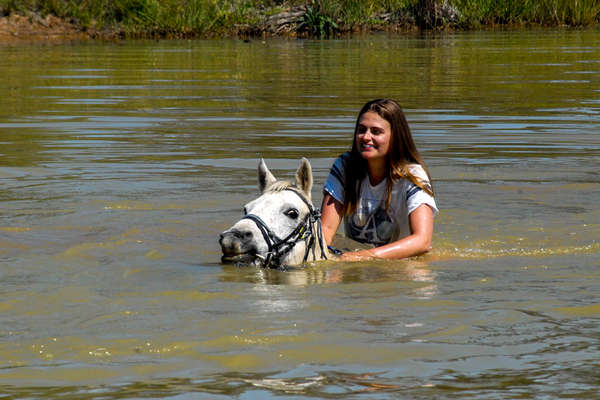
pixel 237 247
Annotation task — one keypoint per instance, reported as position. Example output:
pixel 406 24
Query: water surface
pixel 121 162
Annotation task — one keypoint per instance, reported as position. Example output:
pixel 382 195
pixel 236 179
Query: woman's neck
pixel 377 171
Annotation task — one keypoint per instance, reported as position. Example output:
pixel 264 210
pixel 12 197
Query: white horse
pixel 280 228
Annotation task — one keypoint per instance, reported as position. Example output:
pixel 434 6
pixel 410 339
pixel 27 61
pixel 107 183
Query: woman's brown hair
pixel 402 153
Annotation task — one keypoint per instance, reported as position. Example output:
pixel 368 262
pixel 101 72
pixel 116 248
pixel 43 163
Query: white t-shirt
pixel 371 223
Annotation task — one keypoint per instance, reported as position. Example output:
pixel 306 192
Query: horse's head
pixel 281 227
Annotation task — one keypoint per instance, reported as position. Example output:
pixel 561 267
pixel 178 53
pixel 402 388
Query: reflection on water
pixel 121 163
pixel 333 272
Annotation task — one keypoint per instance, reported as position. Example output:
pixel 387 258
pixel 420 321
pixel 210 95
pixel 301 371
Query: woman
pixel 381 188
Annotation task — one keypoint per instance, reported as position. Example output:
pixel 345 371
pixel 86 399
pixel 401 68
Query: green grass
pixel 324 18
pixel 146 17
pixel 541 12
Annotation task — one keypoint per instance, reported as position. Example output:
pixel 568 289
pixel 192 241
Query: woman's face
pixel 373 136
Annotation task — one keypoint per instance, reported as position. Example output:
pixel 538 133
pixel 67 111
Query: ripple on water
pixel 120 165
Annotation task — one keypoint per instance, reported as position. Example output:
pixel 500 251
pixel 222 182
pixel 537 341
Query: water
pixel 121 162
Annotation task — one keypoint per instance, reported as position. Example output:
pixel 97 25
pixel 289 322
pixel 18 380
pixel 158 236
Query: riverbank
pixel 42 20
pixel 19 28
pixel 285 21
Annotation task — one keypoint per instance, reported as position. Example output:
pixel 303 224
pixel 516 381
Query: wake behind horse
pixel 280 228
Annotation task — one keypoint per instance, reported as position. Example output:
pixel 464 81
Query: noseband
pixel 278 248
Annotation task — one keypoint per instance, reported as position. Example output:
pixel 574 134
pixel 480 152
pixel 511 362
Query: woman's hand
pixel 362 255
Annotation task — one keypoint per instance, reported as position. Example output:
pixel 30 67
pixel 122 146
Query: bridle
pixel 305 231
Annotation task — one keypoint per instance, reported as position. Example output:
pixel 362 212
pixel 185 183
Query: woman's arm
pixel 331 216
pixel 418 242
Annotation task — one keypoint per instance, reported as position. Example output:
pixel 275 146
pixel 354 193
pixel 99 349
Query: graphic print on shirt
pixel 376 228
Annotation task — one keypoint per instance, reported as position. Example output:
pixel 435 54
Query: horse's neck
pixel 319 247
pixel 316 251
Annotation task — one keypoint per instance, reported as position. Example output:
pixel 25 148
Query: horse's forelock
pixel 280 186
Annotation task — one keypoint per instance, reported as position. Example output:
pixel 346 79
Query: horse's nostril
pixel 234 234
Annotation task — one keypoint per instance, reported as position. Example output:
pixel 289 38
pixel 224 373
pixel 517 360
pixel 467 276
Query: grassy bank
pixel 193 18
pixel 538 12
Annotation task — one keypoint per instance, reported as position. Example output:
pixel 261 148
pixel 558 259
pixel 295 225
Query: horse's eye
pixel 245 211
pixel 292 213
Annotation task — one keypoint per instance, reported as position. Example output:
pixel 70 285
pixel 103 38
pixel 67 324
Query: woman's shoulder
pixel 418 171
pixel 336 179
pixel 344 157
pixel 341 161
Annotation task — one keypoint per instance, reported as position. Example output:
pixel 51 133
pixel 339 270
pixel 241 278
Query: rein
pixel 279 248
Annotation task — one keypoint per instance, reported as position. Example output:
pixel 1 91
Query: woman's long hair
pixel 402 153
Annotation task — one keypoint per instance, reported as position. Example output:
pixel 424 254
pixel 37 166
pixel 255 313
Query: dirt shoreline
pixel 24 29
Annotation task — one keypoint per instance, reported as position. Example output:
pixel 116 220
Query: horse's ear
pixel 304 177
pixel 265 177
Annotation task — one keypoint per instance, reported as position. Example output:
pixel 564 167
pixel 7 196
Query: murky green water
pixel 121 163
